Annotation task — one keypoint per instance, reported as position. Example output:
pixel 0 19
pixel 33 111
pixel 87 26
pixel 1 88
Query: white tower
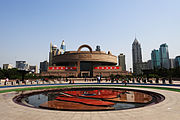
pixel 63 47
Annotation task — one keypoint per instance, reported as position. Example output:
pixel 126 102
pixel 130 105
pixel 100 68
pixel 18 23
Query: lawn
pixel 64 86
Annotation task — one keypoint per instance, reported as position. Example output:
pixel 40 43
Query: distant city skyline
pixel 28 27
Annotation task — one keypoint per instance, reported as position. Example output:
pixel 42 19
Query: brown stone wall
pixel 75 73
pixel 107 73
pixel 60 73
pixel 87 56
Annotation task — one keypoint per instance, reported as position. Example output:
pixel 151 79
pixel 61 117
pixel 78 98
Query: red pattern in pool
pixel 102 94
pixel 85 101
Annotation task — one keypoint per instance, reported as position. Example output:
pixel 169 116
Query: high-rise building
pixel 22 65
pixel 43 66
pixel 121 61
pixel 177 61
pixel 7 66
pixel 137 57
pixel 164 56
pixel 155 57
pixel 63 47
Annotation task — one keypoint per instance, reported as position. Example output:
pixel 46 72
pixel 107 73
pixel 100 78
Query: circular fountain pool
pixel 89 99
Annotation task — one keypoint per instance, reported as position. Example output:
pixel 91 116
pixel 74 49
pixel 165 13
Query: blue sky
pixel 28 26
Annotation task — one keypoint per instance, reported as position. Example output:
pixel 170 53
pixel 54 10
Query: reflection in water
pixel 120 106
pixel 36 100
pixel 89 99
pixel 132 96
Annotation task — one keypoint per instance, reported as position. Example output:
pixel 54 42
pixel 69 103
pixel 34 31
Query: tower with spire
pixel 137 57
pixel 63 47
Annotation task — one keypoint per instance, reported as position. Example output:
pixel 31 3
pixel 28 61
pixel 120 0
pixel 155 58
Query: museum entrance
pixel 85 74
pixel 86 69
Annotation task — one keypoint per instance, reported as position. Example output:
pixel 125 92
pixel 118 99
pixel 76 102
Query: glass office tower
pixel 164 56
pixel 155 57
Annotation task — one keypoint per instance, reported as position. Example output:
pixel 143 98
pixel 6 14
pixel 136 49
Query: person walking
pixel 5 83
pixel 98 79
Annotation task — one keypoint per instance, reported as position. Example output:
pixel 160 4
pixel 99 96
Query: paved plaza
pixel 169 109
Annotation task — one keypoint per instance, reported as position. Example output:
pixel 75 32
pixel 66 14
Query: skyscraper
pixel 137 57
pixel 164 56
pixel 155 57
pixel 63 47
pixel 121 61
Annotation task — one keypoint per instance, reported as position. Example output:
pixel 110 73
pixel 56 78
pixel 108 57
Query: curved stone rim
pixel 17 99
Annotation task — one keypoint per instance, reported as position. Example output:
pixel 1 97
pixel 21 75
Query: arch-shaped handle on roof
pixel 86 46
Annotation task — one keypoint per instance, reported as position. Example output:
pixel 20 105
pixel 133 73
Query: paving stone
pixel 169 109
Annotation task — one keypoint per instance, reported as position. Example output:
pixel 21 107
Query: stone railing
pixel 86 80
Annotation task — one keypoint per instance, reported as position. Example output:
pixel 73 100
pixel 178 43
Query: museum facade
pixel 83 63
